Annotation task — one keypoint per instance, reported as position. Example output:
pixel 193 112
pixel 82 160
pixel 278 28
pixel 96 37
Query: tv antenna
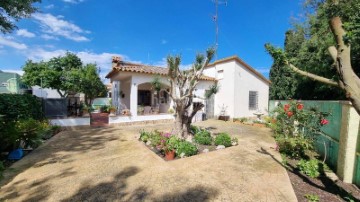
pixel 215 18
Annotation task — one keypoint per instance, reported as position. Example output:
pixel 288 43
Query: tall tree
pixel 14 10
pixel 60 73
pixel 182 86
pixel 90 83
pixel 344 76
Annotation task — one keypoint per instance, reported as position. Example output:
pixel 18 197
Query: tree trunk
pixel 182 127
pixel 348 81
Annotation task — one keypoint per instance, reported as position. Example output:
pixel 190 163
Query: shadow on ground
pixel 116 190
pixel 329 185
pixel 59 149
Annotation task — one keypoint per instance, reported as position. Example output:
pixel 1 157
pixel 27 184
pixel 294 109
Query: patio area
pixel 110 164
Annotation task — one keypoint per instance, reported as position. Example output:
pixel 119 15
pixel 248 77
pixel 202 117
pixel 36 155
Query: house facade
pixel 11 83
pixel 243 91
pixel 133 95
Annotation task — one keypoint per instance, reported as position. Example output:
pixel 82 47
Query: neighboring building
pixel 11 83
pixel 132 89
pixel 243 91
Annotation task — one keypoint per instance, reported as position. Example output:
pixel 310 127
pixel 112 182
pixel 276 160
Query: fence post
pixel 348 142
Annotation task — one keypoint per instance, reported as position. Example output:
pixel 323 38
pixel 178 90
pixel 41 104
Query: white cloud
pixel 49 37
pixel 25 33
pixel 50 6
pixel 8 42
pixel 73 1
pixel 163 63
pixel 56 26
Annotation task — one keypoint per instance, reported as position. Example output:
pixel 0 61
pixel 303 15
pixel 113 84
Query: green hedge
pixel 20 106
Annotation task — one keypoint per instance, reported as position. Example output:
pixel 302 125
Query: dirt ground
pixel 111 164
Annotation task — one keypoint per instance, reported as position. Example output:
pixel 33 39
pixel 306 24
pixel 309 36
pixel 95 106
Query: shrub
pixel 309 168
pixel 31 132
pixel 187 148
pixel 194 129
pixel 235 141
pixel 223 139
pixel 312 197
pixel 2 168
pixel 156 138
pixel 144 136
pixel 294 147
pixel 20 106
pixel 203 137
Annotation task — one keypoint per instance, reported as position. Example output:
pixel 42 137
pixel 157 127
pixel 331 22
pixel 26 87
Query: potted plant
pixel 112 110
pixel 170 146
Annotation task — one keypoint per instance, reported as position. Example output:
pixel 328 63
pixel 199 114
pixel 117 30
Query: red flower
pixel 324 121
pixel 300 106
pixel 290 113
pixel 286 107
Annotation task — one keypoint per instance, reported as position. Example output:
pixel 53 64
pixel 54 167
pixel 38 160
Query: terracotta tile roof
pixel 237 59
pixel 121 66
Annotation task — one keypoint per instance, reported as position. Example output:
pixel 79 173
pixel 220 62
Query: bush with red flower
pixel 296 127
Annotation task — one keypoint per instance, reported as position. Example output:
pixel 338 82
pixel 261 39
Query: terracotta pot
pixel 170 155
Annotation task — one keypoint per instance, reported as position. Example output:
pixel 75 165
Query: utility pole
pixel 215 18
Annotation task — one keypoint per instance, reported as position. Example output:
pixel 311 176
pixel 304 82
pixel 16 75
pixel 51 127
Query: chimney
pixel 116 60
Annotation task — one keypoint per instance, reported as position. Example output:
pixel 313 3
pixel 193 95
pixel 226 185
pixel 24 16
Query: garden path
pixel 110 164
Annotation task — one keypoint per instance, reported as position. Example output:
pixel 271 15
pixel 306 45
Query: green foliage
pixel 306 47
pixel 294 147
pixel 156 83
pixel 14 10
pixel 144 136
pixel 194 129
pixel 61 73
pixel 223 139
pixel 24 133
pixel 296 127
pixel 203 137
pixel 186 148
pixel 20 106
pixel 2 169
pixel 312 197
pixel 310 167
pixel 90 83
pixel 212 90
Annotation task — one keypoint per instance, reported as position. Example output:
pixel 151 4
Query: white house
pixel 243 91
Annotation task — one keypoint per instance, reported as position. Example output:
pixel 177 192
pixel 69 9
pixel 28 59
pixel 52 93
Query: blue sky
pixel 148 31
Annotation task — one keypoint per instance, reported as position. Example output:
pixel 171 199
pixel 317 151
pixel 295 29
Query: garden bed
pixel 322 187
pixel 163 144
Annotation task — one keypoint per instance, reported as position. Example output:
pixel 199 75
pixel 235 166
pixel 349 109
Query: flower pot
pixel 170 155
pixel 16 154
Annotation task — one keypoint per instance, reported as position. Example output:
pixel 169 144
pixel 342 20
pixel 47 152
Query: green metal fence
pixel 357 163
pixel 328 142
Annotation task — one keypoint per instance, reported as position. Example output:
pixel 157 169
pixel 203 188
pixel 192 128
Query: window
pixel 4 84
pixel 253 100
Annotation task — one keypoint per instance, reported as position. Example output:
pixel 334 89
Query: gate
pixel 56 107
pixel 209 110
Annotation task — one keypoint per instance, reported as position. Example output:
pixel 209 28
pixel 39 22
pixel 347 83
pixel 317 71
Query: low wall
pixel 71 122
pixel 129 119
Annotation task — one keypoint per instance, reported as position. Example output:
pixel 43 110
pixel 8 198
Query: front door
pixel 144 97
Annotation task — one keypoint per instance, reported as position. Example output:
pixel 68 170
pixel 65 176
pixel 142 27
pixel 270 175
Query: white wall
pixel 246 81
pixel 225 97
pixel 71 122
pixel 45 92
pixel 235 81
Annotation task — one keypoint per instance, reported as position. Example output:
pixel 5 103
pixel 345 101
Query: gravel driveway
pixel 109 164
